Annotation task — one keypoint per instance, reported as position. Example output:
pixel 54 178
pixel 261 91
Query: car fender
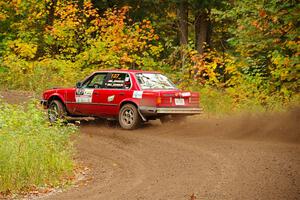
pixel 129 100
pixel 135 102
pixel 56 96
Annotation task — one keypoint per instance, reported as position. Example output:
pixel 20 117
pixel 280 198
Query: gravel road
pixel 242 157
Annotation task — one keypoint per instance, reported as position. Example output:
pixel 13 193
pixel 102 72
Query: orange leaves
pixel 65 30
pixel 255 23
pixel 262 13
pixel 66 15
pixel 89 11
pixel 212 68
pixel 16 4
pixel 126 42
pixel 126 59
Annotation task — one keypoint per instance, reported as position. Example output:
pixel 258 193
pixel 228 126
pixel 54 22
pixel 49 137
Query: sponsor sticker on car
pixel 84 95
pixel 186 94
pixel 137 94
pixel 110 98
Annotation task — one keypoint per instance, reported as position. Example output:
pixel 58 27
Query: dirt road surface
pixel 233 158
pixel 241 157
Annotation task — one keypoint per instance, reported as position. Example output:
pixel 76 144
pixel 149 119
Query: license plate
pixel 179 102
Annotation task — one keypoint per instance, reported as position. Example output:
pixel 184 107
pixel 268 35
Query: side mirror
pixel 78 85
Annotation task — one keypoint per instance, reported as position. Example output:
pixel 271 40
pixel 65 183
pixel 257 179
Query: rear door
pixel 116 87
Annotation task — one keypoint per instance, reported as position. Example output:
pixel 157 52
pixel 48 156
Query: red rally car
pixel 129 96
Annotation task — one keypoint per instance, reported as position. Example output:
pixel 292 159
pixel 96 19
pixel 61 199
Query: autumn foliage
pixel 61 43
pixel 253 44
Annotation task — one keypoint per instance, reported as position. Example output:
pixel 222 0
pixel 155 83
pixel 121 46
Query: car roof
pixel 126 70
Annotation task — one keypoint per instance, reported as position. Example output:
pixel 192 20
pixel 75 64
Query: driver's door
pixel 85 96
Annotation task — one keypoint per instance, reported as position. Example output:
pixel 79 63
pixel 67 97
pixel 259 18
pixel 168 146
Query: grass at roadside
pixel 32 153
pixel 223 102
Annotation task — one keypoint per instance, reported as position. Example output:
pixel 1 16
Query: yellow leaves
pixel 294 45
pixel 23 49
pixel 212 68
pixel 283 71
pixel 3 16
pixel 125 42
pixel 274 19
pixel 122 42
pixel 16 4
pixel 276 60
pixel 171 14
pixel 156 50
pixel 82 36
pixel 3 11
pixel 126 59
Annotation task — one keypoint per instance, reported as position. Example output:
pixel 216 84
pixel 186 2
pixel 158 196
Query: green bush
pixel 33 153
pixel 246 97
pixel 215 101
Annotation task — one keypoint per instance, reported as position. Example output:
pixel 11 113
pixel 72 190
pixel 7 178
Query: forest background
pixel 240 55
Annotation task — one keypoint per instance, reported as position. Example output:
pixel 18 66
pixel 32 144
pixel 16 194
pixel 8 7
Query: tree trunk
pixel 182 15
pixel 81 4
pixel 202 30
pixel 51 11
pixel 50 7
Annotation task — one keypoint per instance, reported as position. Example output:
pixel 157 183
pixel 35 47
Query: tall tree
pixel 203 24
pixel 202 30
pixel 182 15
pixel 49 20
pixel 265 36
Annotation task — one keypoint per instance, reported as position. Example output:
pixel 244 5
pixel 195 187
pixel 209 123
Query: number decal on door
pixel 84 95
pixel 115 76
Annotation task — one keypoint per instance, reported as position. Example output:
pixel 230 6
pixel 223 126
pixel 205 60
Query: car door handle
pixel 96 93
pixel 122 93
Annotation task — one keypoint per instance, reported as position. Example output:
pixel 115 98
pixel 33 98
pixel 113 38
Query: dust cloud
pixel 280 127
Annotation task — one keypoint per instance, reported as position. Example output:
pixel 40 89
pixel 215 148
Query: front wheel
pixel 129 117
pixel 56 111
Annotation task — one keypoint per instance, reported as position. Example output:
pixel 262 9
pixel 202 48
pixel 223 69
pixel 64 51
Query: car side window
pixel 118 81
pixel 96 81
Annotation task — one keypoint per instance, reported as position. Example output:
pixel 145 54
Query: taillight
pixel 158 100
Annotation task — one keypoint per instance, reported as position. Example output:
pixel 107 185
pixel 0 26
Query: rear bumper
pixel 151 111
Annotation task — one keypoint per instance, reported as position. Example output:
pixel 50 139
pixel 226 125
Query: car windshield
pixel 154 81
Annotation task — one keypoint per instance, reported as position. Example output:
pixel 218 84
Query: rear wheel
pixel 56 111
pixel 129 117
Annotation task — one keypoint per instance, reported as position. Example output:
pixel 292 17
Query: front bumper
pixel 151 111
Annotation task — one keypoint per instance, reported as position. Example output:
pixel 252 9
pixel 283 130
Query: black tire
pixel 129 117
pixel 56 111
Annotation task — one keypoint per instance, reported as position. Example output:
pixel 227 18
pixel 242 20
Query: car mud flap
pixel 143 118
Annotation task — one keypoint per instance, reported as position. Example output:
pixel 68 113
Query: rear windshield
pixel 154 81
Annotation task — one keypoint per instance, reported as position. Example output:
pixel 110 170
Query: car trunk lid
pixel 178 99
